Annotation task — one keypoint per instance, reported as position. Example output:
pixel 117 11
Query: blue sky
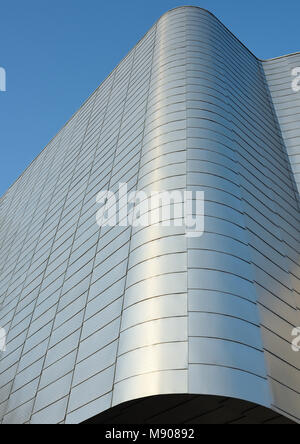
pixel 56 53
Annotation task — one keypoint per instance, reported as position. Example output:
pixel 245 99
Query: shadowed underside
pixel 188 409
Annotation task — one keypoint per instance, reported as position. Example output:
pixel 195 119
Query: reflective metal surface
pixel 100 317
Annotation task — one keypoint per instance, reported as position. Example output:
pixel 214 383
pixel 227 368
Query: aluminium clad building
pixel 143 324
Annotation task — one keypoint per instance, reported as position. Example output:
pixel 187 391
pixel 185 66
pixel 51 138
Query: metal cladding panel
pixel 99 317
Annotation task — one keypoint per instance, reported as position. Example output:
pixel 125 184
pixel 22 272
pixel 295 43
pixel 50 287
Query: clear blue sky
pixel 56 52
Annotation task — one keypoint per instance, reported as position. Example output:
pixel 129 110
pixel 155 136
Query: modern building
pixel 144 324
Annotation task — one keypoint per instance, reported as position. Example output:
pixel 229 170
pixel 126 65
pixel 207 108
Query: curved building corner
pixel 145 324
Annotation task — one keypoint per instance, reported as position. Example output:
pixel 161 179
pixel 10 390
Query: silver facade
pixel 98 317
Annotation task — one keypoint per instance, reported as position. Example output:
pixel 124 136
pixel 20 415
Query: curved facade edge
pixel 96 318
